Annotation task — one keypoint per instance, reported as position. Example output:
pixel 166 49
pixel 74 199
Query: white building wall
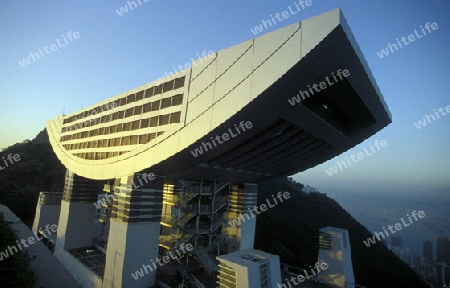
pixel 130 245
pixel 338 259
pixel 46 214
pixel 75 226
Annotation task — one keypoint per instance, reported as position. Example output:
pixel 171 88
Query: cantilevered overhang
pixel 253 81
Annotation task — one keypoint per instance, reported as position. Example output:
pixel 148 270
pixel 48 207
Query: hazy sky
pixel 111 54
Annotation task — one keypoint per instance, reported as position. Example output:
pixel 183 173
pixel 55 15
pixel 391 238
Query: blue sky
pixel 115 53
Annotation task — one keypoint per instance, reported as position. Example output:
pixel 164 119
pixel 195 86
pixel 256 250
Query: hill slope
pixel 289 229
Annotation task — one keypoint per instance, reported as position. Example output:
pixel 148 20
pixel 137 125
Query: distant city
pixel 424 245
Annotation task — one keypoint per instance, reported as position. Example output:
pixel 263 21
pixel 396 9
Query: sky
pixel 98 54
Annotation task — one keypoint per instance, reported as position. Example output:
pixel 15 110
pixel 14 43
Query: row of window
pixel 138 110
pixel 114 142
pixel 155 121
pixel 152 91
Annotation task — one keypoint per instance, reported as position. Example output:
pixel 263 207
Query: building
pixel 442 249
pixel 47 214
pixel 428 250
pixel 443 275
pixel 249 268
pixel 183 155
pixel 335 250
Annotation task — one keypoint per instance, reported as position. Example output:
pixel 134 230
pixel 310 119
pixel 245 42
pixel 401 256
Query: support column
pixel 48 209
pixel 76 220
pixel 133 240
pixel 241 226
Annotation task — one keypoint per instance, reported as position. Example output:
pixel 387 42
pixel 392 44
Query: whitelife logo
pixel 423 123
pixel 285 14
pixel 124 9
pixel 263 207
pixel 300 278
pixel 110 196
pixel 175 254
pixel 225 137
pixel 12 159
pixel 411 38
pixel 30 240
pixel 397 226
pixel 360 155
pixel 52 47
pixel 323 85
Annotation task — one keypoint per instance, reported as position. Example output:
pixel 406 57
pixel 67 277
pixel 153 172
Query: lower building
pixel 249 268
pixel 335 250
pixel 443 249
pixel 428 250
pixel 443 275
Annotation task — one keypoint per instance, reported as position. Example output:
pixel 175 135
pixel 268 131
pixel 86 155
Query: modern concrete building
pixel 442 249
pixel 47 214
pixel 183 157
pixel 443 275
pixel 249 268
pixel 335 250
pixel 428 250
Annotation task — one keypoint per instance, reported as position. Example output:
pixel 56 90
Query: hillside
pixel 289 229
pixel 38 170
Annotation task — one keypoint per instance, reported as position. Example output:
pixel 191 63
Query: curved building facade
pixel 272 106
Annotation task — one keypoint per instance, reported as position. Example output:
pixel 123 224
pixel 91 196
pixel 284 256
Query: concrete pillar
pixel 133 240
pixel 76 220
pixel 48 209
pixel 241 226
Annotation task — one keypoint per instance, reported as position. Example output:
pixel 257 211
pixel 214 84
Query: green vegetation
pixel 15 270
pixel 38 170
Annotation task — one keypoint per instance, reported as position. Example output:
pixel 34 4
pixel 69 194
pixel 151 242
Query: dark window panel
pixel 137 110
pixel 131 98
pixel 179 82
pixel 126 140
pixel 166 102
pixel 149 92
pixel 163 120
pixel 154 121
pixel 177 100
pixel 143 139
pixel 145 123
pixel 129 112
pixel 147 107
pixel 139 95
pixel 158 89
pixel 135 125
pixel 155 105
pixel 168 86
pixel 175 117
pixel 134 140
